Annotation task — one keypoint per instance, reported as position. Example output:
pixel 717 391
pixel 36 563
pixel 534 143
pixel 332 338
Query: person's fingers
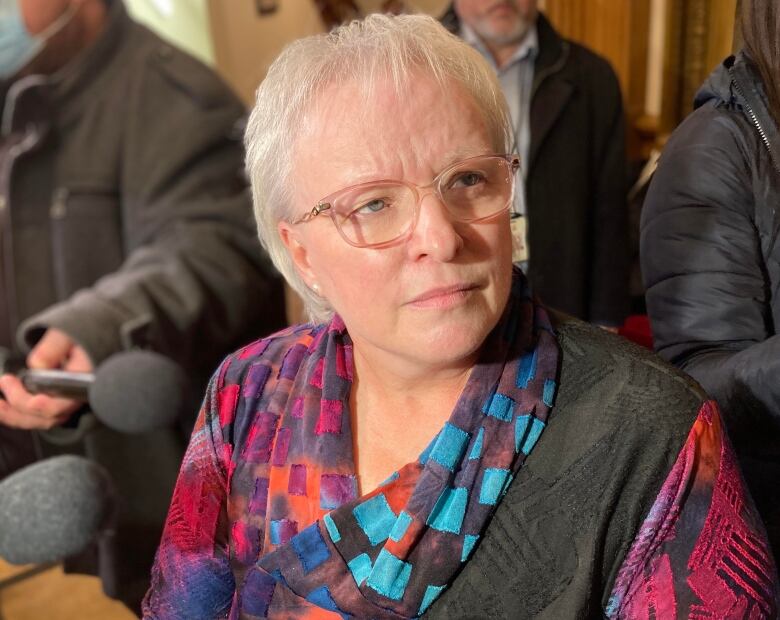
pixel 52 350
pixel 51 406
pixel 13 390
pixel 14 419
pixel 79 361
pixel 22 409
pixel 48 409
pixel 10 417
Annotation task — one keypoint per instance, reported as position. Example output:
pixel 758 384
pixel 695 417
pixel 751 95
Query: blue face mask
pixel 17 46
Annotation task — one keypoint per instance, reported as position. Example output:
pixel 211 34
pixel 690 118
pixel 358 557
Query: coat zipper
pixel 761 132
pixel 28 141
pixel 756 123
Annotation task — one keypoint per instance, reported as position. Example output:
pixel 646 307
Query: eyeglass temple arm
pixel 323 206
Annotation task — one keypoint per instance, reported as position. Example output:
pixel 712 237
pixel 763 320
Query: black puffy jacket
pixel 711 265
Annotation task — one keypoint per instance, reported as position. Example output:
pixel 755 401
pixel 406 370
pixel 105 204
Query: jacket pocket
pixel 86 237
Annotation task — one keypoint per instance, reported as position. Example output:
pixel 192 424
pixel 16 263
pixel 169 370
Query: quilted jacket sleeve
pixel 702 263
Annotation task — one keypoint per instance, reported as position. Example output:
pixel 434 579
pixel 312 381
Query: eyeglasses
pixel 379 213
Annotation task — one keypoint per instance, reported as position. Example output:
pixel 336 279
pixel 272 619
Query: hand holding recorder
pixel 133 392
pixel 29 408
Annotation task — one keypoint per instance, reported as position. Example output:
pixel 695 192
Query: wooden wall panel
pixel 618 30
pixel 615 29
pixel 673 57
pixel 720 30
pixel 697 36
pixel 700 34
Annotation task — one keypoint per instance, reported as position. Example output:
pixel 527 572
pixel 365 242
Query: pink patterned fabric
pixel 266 520
pixel 683 566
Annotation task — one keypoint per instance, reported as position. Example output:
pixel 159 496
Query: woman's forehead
pixel 424 120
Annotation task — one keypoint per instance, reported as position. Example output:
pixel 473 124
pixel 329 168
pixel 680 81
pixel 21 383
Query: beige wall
pixel 184 23
pixel 245 43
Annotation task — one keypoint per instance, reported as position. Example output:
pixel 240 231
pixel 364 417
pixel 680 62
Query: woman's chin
pixel 451 340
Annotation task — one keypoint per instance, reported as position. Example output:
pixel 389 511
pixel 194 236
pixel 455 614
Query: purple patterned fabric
pixel 266 520
pixel 702 550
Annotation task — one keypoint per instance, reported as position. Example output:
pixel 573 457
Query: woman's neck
pixel 395 415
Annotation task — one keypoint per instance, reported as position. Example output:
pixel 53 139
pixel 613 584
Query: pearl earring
pixel 316 288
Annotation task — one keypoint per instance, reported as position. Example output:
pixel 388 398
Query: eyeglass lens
pixel 377 213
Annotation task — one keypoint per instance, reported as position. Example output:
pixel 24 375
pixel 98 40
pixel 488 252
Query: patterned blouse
pixel 266 521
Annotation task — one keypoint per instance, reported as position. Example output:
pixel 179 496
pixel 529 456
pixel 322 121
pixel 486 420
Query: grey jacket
pixel 125 219
pixel 123 208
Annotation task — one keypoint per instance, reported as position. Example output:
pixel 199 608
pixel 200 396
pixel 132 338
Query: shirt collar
pixel 528 48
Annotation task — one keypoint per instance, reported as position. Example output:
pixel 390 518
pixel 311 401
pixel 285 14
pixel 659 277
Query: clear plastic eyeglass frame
pixel 326 205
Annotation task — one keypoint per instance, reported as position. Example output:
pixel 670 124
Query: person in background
pixel 125 220
pixel 436 442
pixel 710 253
pixel 569 130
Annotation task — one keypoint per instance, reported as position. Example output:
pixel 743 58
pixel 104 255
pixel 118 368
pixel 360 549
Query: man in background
pixel 124 221
pixel 567 114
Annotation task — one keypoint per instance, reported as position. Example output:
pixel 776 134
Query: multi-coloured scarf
pixel 391 552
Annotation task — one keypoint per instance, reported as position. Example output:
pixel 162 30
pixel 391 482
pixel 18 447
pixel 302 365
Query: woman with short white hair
pixel 434 442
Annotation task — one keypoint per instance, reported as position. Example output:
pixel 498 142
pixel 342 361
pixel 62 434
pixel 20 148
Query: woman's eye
pixel 467 179
pixel 372 206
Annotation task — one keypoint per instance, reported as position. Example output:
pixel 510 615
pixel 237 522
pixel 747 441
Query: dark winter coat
pixel 711 265
pixel 123 204
pixel 125 219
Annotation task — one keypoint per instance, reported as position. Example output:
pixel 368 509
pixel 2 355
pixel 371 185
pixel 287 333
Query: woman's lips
pixel 443 296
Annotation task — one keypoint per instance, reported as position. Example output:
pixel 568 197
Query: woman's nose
pixel 435 234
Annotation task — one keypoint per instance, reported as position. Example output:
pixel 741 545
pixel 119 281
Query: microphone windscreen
pixel 53 509
pixel 138 391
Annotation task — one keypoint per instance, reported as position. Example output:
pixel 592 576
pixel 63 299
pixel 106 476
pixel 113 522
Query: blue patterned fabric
pixel 392 552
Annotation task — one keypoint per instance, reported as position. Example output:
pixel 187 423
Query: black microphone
pixel 54 509
pixel 132 392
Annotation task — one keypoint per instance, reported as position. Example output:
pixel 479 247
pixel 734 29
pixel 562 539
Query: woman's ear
pixel 297 250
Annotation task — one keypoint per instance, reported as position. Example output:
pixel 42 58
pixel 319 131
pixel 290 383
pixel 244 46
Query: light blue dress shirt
pixel 517 79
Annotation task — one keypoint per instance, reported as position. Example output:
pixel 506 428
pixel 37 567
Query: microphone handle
pixel 61 383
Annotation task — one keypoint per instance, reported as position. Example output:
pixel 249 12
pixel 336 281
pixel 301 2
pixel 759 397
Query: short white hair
pixel 379 47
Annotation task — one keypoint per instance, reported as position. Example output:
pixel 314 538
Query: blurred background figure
pixel 567 116
pixel 124 222
pixel 710 257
